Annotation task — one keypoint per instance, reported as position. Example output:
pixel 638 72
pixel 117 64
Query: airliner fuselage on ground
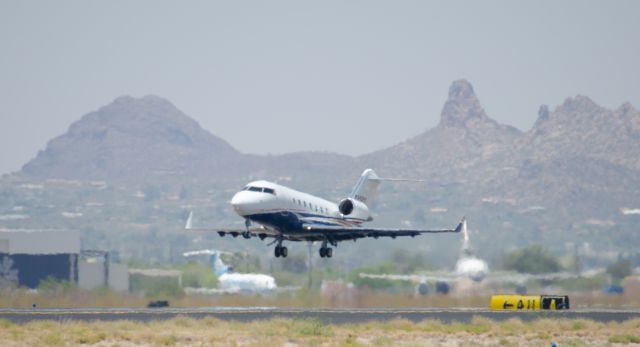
pixel 285 214
pixel 230 282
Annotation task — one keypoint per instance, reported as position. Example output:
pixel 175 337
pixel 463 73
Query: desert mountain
pixel 574 172
pixel 464 137
pixel 578 154
pixel 133 138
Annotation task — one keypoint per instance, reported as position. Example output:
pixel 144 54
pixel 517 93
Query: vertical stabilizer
pixel 219 267
pixel 367 187
pixel 466 249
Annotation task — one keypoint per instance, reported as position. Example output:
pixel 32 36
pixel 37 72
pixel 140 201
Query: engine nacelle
pixel 353 208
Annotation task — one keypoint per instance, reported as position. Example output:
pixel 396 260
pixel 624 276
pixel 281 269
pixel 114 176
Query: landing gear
pixel 281 251
pixel 247 234
pixel 326 252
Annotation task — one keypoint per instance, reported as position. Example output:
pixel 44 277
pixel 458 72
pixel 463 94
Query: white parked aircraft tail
pixel 219 267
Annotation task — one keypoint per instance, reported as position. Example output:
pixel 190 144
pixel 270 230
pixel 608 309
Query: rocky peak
pixel 626 109
pixel 461 106
pixel 579 104
pixel 543 116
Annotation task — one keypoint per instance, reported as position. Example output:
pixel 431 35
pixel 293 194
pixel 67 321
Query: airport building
pixel 28 257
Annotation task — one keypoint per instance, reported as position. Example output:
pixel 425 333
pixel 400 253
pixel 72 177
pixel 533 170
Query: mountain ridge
pixel 137 139
pixel 569 177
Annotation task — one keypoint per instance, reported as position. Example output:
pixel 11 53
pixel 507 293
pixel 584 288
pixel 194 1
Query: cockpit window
pixel 269 190
pixel 260 189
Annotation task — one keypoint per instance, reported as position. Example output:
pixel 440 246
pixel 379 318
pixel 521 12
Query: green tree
pixel 533 259
pixel 55 285
pixel 197 275
pixel 376 283
pixel 408 262
pixel 296 263
pixel 620 269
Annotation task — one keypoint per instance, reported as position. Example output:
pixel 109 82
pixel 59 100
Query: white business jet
pixel 285 214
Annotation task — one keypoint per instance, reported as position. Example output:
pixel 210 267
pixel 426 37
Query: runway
pixel 335 316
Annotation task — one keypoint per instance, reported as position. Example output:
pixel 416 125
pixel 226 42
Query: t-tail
pixel 219 267
pixel 367 186
pixel 355 206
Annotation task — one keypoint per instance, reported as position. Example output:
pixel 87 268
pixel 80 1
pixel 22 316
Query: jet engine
pixel 354 209
pixel 422 289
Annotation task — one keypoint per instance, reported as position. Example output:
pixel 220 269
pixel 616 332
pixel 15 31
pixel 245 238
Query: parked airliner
pixel 468 267
pixel 230 282
pixel 285 214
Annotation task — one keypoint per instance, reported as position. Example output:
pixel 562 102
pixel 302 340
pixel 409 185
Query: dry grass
pixel 83 298
pixel 184 331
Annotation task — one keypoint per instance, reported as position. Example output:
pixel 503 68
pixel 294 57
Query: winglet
pixel 461 225
pixel 188 225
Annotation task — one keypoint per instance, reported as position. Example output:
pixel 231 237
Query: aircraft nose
pixel 240 202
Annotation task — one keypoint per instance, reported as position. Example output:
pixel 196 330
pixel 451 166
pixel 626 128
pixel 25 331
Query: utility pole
pixel 310 264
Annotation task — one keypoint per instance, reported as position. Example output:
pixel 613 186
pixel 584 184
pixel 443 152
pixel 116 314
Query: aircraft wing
pixel 514 277
pixel 315 232
pixel 259 231
pixel 319 232
pixel 436 277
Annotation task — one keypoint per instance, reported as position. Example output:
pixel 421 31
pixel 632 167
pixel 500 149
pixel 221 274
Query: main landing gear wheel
pixel 326 252
pixel 281 251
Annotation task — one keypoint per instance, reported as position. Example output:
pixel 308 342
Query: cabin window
pixel 304 203
pixel 269 191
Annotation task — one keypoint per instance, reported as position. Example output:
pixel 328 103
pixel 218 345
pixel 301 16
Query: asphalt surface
pixel 336 316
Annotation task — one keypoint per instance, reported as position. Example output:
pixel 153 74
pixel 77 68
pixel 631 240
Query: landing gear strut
pixel 280 250
pixel 325 252
pixel 247 234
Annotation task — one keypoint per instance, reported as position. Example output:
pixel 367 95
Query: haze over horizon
pixel 281 77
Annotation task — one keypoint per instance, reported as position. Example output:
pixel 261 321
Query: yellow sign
pixel 529 302
pixel 515 302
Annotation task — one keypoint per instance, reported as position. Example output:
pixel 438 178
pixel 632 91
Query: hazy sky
pixel 283 76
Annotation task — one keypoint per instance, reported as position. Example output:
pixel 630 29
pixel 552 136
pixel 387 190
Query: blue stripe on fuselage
pixel 290 222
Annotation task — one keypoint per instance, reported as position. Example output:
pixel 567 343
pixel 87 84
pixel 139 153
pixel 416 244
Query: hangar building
pixel 30 256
